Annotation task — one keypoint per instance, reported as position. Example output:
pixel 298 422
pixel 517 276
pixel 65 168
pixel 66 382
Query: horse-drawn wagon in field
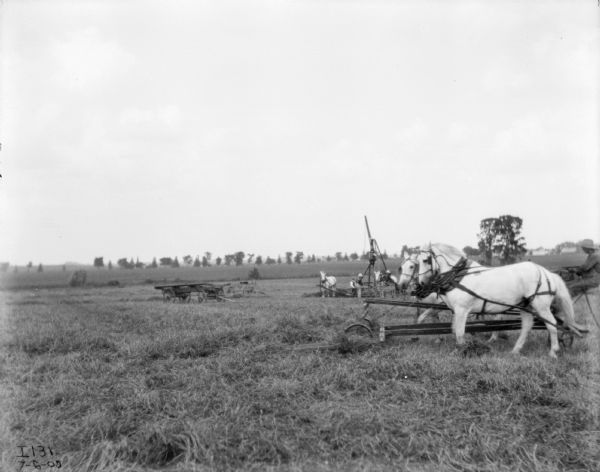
pixel 369 283
pixel 202 291
pixel 185 292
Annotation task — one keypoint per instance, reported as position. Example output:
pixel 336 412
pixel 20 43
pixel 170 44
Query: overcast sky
pixel 156 128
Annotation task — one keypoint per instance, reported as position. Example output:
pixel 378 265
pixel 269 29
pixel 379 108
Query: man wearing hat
pixel 357 285
pixel 589 271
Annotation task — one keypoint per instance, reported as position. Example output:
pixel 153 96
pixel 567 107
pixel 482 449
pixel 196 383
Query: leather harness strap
pixel 443 283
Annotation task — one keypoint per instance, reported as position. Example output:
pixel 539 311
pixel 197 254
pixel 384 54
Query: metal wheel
pixel 359 329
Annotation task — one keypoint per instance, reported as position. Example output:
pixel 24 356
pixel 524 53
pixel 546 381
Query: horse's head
pixel 323 276
pixel 377 275
pixel 427 263
pixel 408 271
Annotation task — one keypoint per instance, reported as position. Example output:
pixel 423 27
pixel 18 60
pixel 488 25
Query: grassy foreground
pixel 113 379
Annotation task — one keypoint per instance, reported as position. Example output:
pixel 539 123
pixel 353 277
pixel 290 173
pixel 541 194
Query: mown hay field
pixel 114 379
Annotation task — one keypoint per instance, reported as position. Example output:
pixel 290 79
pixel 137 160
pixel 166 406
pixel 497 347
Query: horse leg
pixel 424 315
pixel 458 325
pixel 550 323
pixel 526 325
pixel 494 335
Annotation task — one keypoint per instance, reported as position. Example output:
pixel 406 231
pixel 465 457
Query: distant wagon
pixel 202 291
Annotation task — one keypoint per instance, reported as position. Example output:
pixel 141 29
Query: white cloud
pixel 85 60
pixel 459 133
pixel 169 116
pixel 413 136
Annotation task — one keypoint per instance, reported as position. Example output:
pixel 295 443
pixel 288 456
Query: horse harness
pixel 442 283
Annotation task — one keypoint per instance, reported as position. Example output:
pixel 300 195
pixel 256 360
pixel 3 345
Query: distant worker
pixel 589 271
pixel 357 285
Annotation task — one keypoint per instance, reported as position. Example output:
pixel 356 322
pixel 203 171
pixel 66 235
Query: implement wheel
pixel 359 329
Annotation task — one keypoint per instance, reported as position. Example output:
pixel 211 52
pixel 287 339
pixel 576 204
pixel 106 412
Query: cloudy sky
pixel 155 128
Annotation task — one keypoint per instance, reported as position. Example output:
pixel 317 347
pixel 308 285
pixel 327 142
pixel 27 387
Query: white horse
pixel 408 278
pixel 525 285
pixel 328 285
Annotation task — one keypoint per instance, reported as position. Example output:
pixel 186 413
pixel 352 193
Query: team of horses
pixel 442 273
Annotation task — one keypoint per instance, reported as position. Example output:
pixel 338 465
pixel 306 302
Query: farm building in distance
pixel 540 251
pixel 569 250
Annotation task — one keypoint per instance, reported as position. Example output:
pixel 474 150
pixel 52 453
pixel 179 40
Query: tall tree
pixel 298 257
pixel 510 245
pixel 98 262
pixel 502 237
pixel 487 238
pixel 123 263
pixel 239 258
pixel 288 257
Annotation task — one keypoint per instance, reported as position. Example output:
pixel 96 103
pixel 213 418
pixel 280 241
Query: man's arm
pixel 589 263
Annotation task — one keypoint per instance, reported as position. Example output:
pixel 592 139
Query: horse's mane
pixel 451 254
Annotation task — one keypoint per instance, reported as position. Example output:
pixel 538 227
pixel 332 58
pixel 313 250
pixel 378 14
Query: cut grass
pixel 122 385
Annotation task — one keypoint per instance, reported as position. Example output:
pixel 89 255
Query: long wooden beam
pixel 416 304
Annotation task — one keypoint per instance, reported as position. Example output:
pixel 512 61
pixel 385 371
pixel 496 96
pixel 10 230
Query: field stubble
pixel 115 380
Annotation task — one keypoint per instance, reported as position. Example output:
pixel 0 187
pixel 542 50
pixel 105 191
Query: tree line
pixel 498 238
pixel 237 258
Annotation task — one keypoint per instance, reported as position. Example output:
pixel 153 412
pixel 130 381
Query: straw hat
pixel 588 244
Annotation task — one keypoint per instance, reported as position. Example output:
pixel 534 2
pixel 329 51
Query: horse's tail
pixel 564 305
